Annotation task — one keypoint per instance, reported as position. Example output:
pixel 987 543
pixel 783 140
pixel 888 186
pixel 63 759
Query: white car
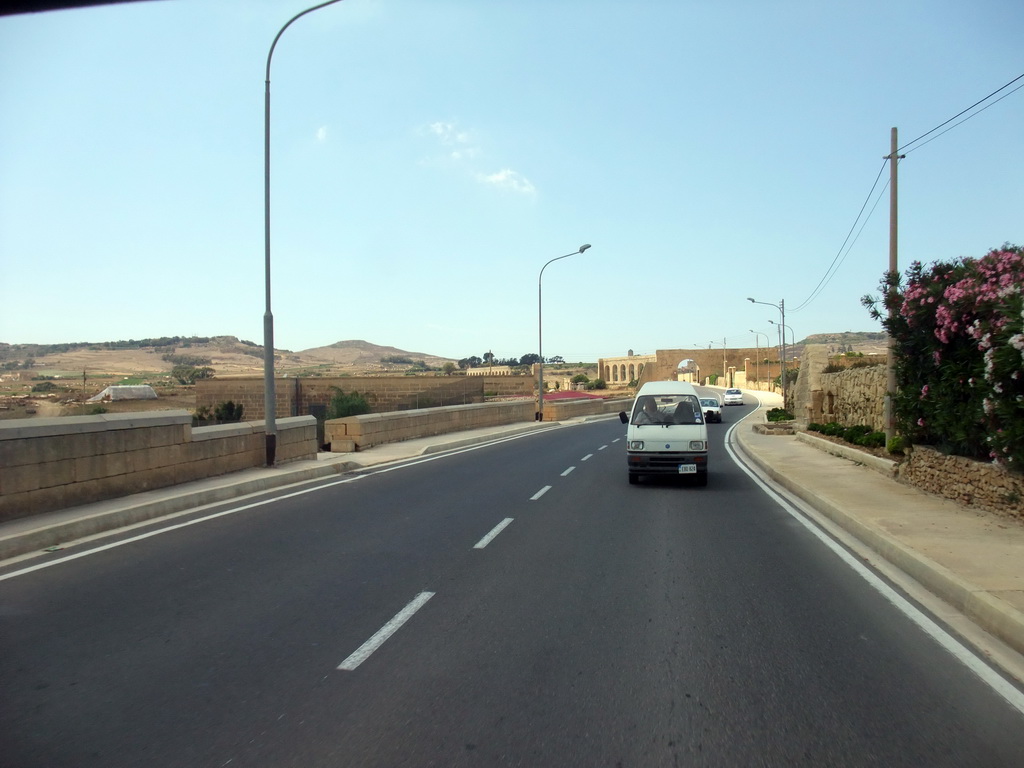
pixel 733 397
pixel 712 409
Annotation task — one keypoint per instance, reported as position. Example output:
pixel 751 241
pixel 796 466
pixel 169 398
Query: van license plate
pixel 687 469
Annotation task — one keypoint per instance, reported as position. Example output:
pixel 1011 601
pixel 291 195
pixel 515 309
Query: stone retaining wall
pixel 301 396
pixel 966 481
pixel 854 396
pixel 51 464
pixel 356 433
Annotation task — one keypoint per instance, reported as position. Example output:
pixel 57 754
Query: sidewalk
pixel 972 561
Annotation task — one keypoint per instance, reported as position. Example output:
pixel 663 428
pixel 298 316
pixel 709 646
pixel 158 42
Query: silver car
pixel 733 397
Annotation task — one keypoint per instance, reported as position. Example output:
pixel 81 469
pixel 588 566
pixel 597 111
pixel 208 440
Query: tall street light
pixel 781 306
pixel 785 328
pixel 269 395
pixel 539 416
pixel 757 349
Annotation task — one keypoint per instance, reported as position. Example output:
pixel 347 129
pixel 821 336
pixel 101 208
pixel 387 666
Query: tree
pixel 448 369
pixel 186 374
pixel 530 358
pixel 228 411
pixel 342 405
pixel 470 362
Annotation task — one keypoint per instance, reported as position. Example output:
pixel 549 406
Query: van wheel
pixel 633 479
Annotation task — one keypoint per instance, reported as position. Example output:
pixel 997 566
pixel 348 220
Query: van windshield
pixel 667 409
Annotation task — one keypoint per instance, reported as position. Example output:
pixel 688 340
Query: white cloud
pixel 461 148
pixel 509 179
pixel 321 133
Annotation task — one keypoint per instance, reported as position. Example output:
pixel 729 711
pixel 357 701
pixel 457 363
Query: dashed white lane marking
pixel 494 532
pixel 540 493
pixel 602 447
pixel 588 456
pixel 570 469
pixel 366 649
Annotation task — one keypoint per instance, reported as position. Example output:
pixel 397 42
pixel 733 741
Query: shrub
pixel 833 429
pixel 855 433
pixel 350 404
pixel 872 439
pixel 228 411
pixel 779 414
pixel 958 333
pixel 46 386
pixel 898 444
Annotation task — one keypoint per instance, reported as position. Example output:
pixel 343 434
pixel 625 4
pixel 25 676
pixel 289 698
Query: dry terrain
pixel 77 374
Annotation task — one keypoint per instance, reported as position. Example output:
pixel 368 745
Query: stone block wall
pixel 851 397
pixel 966 481
pixel 301 396
pixel 354 433
pixel 51 464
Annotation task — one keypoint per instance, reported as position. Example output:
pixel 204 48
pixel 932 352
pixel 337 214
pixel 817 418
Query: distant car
pixel 733 397
pixel 712 409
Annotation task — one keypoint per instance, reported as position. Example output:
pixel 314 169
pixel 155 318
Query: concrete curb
pixel 885 466
pixel 989 612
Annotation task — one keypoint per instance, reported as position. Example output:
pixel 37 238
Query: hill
pixel 227 355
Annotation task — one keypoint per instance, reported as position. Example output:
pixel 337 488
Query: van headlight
pixel 636 445
pixel 697 445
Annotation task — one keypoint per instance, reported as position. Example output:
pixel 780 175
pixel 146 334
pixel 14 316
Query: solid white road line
pixel 570 469
pixel 540 493
pixel 366 649
pixel 494 532
pixel 175 527
pixel 947 641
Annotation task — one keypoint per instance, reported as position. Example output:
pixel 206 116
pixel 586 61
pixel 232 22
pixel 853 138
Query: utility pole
pixel 890 386
pixel 782 330
pixel 725 371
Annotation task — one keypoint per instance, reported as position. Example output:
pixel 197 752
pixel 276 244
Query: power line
pixel 834 266
pixel 837 261
pixel 933 138
pixel 954 117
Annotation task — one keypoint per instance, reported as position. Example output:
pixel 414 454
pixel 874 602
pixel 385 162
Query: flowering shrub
pixel 958 329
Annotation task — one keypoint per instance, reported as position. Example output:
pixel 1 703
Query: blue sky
pixel 429 157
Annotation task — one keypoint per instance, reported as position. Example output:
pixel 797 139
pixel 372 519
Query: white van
pixel 666 434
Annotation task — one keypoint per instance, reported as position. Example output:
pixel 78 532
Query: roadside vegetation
pixel 958 331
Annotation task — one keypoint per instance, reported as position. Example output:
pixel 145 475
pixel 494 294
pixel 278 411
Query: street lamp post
pixel 757 349
pixel 269 395
pixel 781 306
pixel 540 334
pixel 785 328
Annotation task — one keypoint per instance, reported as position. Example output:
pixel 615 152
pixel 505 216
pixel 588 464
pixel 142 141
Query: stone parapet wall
pixel 355 433
pixel 967 481
pixel 51 464
pixel 302 396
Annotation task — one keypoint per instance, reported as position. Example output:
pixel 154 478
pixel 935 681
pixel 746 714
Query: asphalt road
pixel 517 604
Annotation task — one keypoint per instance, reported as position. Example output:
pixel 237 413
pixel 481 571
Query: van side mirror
pixel 623 417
